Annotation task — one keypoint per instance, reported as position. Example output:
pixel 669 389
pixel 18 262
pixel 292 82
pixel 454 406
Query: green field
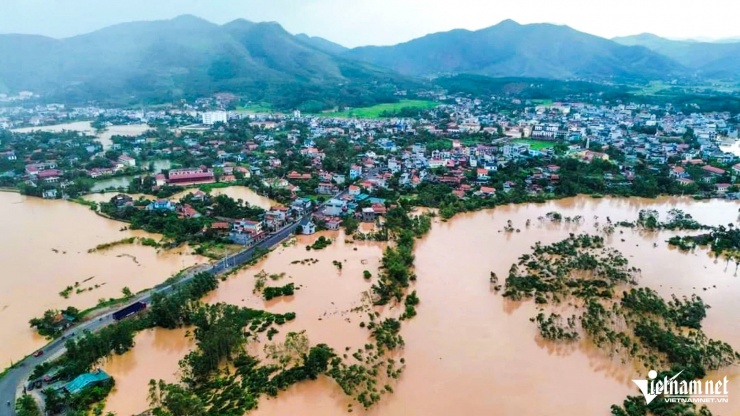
pixel 536 144
pixel 377 111
pixel 653 88
pixel 254 108
pixel 542 102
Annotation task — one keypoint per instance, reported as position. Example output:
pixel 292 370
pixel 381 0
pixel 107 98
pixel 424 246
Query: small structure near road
pixel 86 380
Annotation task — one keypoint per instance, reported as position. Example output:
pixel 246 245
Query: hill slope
pixel 188 57
pixel 708 59
pixel 321 44
pixel 511 49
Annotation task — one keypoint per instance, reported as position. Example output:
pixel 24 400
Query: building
pixel 127 161
pixel 191 175
pixel 335 207
pixel 210 118
pixel 161 205
pixel 308 228
pixel 355 172
pixel 85 381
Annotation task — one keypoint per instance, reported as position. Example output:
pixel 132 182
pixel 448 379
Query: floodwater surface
pixel 84 126
pixel 45 249
pixel 469 351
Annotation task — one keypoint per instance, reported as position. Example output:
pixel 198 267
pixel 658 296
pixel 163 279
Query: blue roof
pixel 86 380
pixel 377 201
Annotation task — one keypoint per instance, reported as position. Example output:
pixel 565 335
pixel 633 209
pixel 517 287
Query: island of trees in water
pixel 219 377
pixel 626 321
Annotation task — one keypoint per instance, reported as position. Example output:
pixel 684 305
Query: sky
pixel 383 22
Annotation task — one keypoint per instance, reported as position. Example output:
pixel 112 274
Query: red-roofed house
pixel 713 170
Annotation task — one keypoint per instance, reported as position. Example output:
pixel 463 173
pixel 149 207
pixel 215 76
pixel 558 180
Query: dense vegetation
pixel 50 326
pixel 637 325
pixel 26 406
pixel 270 293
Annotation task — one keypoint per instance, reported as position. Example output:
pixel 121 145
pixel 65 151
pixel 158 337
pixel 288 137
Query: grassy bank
pixel 378 111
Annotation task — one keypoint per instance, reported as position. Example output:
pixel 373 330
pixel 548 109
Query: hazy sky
pixel 382 22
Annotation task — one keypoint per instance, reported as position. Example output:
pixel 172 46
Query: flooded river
pixel 469 351
pixel 236 192
pixel 84 126
pixel 45 249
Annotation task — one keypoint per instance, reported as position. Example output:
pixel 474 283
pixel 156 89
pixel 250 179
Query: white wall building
pixel 210 118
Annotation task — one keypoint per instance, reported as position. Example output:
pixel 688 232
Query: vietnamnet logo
pixel 673 390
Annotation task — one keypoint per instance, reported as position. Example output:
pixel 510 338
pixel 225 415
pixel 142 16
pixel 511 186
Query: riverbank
pixel 466 340
pixel 46 245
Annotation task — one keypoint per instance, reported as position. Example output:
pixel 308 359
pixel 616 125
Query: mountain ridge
pixel 512 49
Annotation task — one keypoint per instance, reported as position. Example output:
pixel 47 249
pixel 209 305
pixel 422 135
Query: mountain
pixel 321 44
pixel 188 57
pixel 510 49
pixel 707 59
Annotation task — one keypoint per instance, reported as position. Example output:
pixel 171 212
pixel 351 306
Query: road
pixel 11 382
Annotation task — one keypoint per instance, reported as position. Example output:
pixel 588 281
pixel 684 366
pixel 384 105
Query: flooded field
pixel 45 249
pixel 118 182
pixel 160 349
pixel 84 126
pixel 236 192
pixel 469 351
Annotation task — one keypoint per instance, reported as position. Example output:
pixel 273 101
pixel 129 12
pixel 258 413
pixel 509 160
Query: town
pixel 464 154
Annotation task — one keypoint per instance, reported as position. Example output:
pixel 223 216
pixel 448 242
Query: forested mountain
pixel 188 57
pixel 509 49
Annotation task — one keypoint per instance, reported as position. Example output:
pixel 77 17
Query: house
pixel 161 205
pixel 326 188
pixel 308 228
pixel 508 186
pixel 684 181
pixel 379 209
pixel 355 172
pixel 9 155
pixel 678 172
pixel 722 188
pixel 713 170
pixel 253 227
pixel 49 194
pixel 368 214
pixel 127 161
pixel 335 207
pixel 50 175
pixel 354 190
pixel 122 201
pixel 301 205
pixel 187 211
pixel 487 191
pixel 160 180
pixel 482 174
pixel 279 212
pixel 333 223
pixel 298 176
pixel 85 381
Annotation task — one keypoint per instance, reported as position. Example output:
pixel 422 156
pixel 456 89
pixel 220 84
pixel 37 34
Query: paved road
pixel 10 384
pixel 12 381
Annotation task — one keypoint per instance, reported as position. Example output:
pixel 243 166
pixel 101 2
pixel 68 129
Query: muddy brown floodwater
pixel 469 351
pixel 84 126
pixel 44 250
pixel 236 192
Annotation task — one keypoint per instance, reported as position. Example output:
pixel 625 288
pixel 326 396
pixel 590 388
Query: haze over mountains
pixel 187 57
pixel 706 59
